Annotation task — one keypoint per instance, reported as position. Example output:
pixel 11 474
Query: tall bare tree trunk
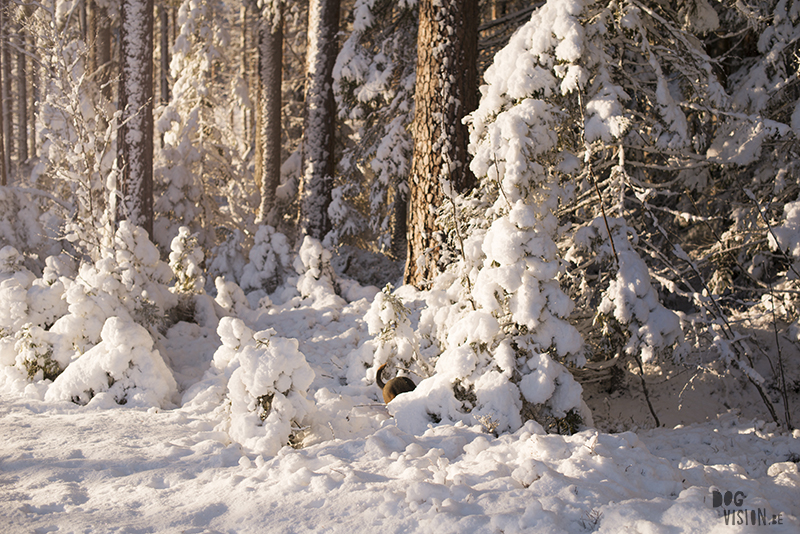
pixel 244 71
pixel 163 14
pixel 318 130
pixel 8 145
pixel 22 96
pixel 446 90
pixel 135 138
pixel 99 37
pixel 3 131
pixel 270 69
pixel 33 74
pixel 82 22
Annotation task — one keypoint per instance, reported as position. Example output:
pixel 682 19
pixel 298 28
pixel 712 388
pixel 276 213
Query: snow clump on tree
pixel 629 305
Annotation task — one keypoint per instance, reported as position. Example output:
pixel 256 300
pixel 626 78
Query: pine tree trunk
pixel 3 132
pixel 99 61
pixel 270 63
pixel 135 136
pixel 163 14
pixel 318 130
pixel 8 145
pixel 244 71
pixel 82 20
pixel 22 97
pixel 400 227
pixel 446 90
pixel 33 72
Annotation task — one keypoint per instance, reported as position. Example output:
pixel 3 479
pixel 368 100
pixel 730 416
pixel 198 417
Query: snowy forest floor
pixel 106 468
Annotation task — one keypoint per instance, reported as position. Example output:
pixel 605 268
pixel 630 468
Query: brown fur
pixel 395 386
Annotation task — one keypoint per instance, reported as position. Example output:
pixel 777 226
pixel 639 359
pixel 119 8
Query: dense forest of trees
pixel 578 188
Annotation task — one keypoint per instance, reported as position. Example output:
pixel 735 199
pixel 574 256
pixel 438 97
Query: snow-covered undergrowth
pixel 273 422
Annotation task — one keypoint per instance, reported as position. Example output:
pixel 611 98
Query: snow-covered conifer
pixel 123 368
pixel 129 281
pixel 317 281
pixel 374 80
pixel 270 261
pixel 185 261
pixel 199 162
pixel 395 342
pixel 267 388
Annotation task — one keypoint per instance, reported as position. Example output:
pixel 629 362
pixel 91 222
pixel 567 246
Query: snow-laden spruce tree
pixel 123 368
pixel 374 80
pixel 270 261
pixel 185 260
pixel 584 109
pixel 199 163
pixel 30 307
pixel 128 281
pixel 267 386
pixel 498 315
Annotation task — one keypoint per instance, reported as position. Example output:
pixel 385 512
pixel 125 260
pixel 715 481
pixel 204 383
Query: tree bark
pixel 82 15
pixel 135 135
pixel 99 30
pixel 22 97
pixel 446 90
pixel 33 74
pixel 3 132
pixel 318 130
pixel 270 63
pixel 163 15
pixel 8 145
pixel 244 72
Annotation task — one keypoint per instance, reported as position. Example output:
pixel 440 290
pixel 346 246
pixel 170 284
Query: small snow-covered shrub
pixel 35 354
pixel 317 280
pixel 14 311
pixel 231 297
pixel 396 343
pixel 228 259
pixel 270 260
pixel 27 299
pixel 185 260
pixel 30 306
pixel 267 388
pixel 128 281
pixel 124 367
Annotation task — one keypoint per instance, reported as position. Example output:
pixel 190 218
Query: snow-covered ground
pixel 107 468
pixel 65 468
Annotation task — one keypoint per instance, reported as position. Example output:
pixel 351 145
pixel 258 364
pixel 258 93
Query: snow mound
pixel 122 369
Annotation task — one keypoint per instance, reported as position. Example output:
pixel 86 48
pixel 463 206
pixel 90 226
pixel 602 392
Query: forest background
pixel 572 197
